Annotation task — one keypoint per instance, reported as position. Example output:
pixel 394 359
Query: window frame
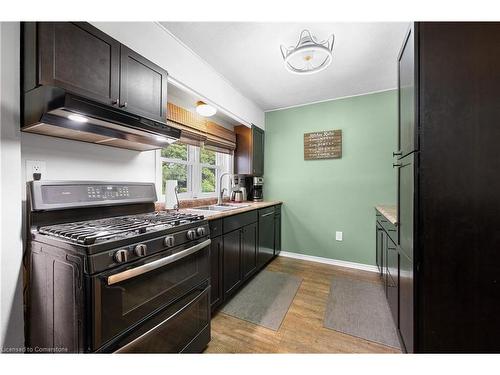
pixel 223 163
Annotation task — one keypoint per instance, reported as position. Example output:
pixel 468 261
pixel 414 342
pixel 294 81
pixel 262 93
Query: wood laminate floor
pixel 302 329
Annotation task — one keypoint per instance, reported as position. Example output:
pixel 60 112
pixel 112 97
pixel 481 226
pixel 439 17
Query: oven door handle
pixel 128 274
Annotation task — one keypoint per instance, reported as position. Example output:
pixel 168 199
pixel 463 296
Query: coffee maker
pixel 257 193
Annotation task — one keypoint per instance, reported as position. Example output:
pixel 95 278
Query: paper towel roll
pixel 170 200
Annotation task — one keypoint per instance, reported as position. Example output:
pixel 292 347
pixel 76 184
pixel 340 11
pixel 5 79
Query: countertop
pixel 389 211
pixel 212 215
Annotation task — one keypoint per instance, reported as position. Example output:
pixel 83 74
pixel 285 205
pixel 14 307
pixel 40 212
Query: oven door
pixel 125 297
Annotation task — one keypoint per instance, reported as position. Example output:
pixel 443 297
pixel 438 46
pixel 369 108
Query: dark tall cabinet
pixel 448 187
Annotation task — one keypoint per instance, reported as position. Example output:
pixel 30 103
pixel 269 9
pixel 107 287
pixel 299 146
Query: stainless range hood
pixel 55 112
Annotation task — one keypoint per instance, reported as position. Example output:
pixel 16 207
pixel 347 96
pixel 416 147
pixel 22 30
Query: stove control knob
pixel 140 250
pixel 169 241
pixel 191 234
pixel 200 231
pixel 121 256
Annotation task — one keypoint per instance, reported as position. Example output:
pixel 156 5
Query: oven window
pixel 140 291
pixel 120 306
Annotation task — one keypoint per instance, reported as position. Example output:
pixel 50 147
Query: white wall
pixel 72 160
pixel 11 312
pixel 151 40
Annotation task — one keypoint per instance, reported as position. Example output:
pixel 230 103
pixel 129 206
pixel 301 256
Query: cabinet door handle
pixel 115 102
pixel 123 105
pixel 397 153
pixel 397 165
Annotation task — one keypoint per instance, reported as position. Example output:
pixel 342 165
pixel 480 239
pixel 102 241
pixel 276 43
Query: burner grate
pixel 90 232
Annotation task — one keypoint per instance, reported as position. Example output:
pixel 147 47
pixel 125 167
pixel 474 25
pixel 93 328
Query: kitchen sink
pixel 220 207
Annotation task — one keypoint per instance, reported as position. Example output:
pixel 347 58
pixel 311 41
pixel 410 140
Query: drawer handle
pixel 167 320
pixel 148 267
pixel 269 213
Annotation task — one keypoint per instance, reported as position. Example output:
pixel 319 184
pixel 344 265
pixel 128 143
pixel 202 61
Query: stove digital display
pixel 107 192
pixel 47 195
pixel 55 194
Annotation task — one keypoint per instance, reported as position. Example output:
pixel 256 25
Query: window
pixel 196 170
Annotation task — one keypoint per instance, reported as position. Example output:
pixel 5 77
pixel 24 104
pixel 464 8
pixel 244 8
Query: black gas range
pixel 106 273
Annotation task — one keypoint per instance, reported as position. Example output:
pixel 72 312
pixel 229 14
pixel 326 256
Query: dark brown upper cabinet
pixel 143 86
pixel 79 58
pixel 249 154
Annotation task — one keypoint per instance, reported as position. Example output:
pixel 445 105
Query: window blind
pixel 198 131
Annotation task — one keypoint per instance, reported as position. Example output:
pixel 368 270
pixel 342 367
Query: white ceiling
pixel 248 56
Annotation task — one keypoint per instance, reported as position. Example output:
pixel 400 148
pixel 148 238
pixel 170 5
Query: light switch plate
pixel 338 236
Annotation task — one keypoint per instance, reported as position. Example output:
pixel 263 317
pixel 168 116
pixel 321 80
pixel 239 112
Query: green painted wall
pixel 322 196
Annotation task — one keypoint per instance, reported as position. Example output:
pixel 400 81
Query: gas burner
pixel 115 228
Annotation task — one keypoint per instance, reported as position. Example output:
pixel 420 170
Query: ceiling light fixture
pixel 308 56
pixel 77 118
pixel 204 109
pixel 165 139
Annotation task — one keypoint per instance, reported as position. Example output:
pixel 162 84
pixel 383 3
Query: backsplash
pixel 190 203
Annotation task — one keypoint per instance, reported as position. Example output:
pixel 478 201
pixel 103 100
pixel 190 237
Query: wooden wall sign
pixel 323 145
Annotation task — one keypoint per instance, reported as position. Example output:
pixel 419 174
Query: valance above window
pixel 198 131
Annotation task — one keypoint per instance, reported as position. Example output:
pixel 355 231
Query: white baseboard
pixel 333 262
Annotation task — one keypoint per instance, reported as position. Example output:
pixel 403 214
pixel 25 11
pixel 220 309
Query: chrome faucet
pixel 221 189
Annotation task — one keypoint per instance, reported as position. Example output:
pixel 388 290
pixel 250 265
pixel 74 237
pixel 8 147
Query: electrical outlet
pixel 338 236
pixel 34 166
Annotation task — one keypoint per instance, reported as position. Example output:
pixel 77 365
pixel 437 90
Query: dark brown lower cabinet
pixel 277 231
pixel 266 236
pixel 379 249
pixel 388 263
pixel 235 249
pixel 392 279
pixel 406 301
pixel 231 265
pixel 240 257
pixel 249 250
pixel 215 272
